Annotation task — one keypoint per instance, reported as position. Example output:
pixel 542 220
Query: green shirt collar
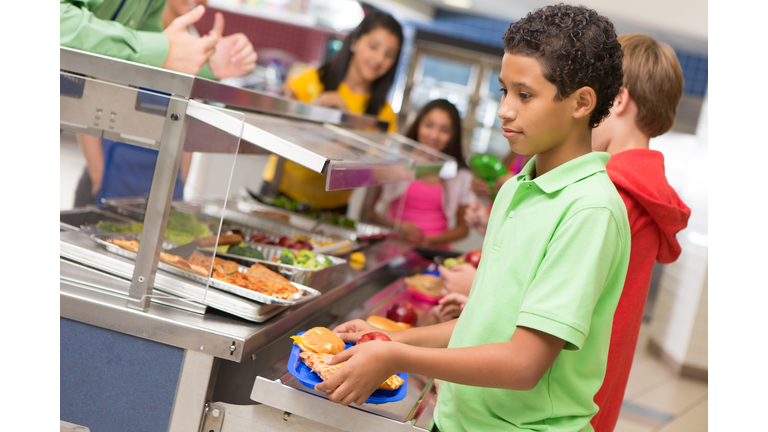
pixel 567 173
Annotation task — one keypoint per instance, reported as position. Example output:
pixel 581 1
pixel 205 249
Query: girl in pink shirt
pixel 430 211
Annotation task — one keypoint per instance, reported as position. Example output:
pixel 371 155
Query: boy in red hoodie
pixel 644 109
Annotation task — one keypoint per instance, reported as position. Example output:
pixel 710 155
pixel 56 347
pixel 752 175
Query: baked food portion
pixel 320 340
pixel 386 323
pixel 258 278
pixel 220 265
pixel 174 260
pixel 326 341
pixel 425 284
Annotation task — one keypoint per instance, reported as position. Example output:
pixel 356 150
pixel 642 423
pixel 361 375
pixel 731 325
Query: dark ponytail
pixel 333 72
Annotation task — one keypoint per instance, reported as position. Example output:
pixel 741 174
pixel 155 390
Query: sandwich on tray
pixel 318 346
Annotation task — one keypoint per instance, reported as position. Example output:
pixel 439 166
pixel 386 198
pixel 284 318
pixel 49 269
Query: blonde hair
pixel 654 79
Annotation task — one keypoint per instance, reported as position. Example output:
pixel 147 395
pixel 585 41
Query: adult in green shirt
pixel 151 32
pixel 529 351
pixel 134 30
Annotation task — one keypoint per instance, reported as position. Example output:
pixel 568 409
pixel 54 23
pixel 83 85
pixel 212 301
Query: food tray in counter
pixel 80 217
pixel 304 222
pixel 322 243
pixel 300 275
pixel 305 293
pixel 136 207
pixel 78 246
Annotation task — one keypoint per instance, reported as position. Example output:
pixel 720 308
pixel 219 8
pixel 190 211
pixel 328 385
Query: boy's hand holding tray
pixel 318 356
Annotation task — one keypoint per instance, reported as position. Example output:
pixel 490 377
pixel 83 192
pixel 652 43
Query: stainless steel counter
pixel 225 336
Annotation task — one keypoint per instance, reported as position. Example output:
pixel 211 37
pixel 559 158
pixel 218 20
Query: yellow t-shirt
pixel 302 183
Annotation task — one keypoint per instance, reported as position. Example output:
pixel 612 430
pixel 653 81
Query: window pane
pixel 486 140
pixel 491 87
pixel 421 94
pixel 486 113
pixel 439 71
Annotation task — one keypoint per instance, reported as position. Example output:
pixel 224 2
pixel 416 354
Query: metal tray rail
pixel 307 223
pixel 309 277
pixel 286 393
pixel 306 293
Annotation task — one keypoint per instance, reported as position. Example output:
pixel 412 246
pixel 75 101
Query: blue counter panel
pixel 114 382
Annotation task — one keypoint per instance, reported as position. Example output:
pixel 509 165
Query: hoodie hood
pixel 639 175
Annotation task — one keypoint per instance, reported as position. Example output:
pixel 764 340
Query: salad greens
pixel 182 228
pixel 305 209
pixel 304 259
pixel 246 251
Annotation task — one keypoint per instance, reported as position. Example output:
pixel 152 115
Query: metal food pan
pixel 136 207
pixel 310 224
pixel 274 228
pixel 305 294
pixel 79 247
pixel 308 277
pixel 76 218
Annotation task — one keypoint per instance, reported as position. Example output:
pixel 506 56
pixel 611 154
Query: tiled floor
pixel 656 399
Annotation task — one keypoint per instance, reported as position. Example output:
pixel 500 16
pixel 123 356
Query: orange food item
pixel 258 278
pixel 317 363
pixel 386 323
pixel 220 265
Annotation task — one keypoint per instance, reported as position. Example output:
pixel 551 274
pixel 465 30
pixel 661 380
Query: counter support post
pixel 196 379
pixel 158 204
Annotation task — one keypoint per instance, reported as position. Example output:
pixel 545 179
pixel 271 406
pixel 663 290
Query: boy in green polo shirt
pixel 529 350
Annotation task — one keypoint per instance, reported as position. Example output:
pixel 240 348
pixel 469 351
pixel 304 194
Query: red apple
pixel 285 241
pixel 403 312
pixel 300 244
pixel 473 257
pixel 258 238
pixel 373 336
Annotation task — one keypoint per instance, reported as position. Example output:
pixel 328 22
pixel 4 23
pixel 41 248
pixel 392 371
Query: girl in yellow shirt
pixel 356 80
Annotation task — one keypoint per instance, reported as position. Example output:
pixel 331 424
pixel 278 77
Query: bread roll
pixel 321 340
pixel 425 284
pixel 386 323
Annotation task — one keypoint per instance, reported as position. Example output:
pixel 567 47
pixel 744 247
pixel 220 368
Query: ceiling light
pixel 464 4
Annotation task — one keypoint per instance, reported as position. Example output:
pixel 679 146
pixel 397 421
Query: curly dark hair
pixel 576 47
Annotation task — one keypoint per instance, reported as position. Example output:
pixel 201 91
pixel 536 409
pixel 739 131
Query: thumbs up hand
pixel 186 53
pixel 234 54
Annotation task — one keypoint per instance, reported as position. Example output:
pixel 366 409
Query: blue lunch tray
pixel 309 379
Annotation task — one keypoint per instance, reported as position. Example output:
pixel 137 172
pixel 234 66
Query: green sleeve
pixel 80 29
pixel 205 72
pixel 153 22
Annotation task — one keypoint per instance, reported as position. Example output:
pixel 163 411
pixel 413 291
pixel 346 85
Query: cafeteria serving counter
pixel 145 349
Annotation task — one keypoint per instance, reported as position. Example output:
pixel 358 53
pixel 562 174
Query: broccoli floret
pixel 287 257
pixel 347 223
pixel 305 256
pixel 310 265
pixel 246 251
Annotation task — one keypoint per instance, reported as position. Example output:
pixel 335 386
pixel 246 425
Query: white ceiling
pixel 681 23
